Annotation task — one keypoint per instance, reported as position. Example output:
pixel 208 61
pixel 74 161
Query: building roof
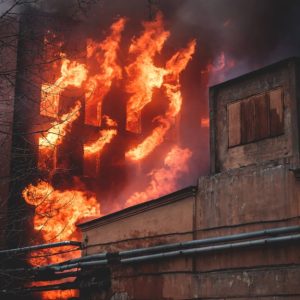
pixel 136 209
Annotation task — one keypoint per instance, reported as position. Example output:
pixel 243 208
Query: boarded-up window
pixel 255 118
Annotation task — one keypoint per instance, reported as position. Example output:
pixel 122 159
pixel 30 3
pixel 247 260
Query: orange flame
pixel 72 73
pixel 163 180
pixel 143 75
pixel 97 86
pixel 106 136
pixel 174 67
pixel 55 218
pixel 109 121
pixel 54 136
pixel 57 212
pixel 59 129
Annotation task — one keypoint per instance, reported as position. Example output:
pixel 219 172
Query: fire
pixel 174 67
pixel 60 128
pixel 55 218
pixel 109 121
pixel 72 73
pixel 54 137
pixel 57 212
pixel 97 86
pixel 105 137
pixel 143 75
pixel 164 180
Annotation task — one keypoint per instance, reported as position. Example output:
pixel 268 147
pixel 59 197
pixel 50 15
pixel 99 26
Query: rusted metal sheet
pixel 248 121
pixel 234 124
pixel 276 112
pixel 262 128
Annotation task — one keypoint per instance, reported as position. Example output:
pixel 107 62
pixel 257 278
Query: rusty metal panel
pixel 262 128
pixel 276 112
pixel 248 121
pixel 234 124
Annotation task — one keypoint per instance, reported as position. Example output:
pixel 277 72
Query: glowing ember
pixel 204 122
pixel 97 86
pixel 164 180
pixel 109 121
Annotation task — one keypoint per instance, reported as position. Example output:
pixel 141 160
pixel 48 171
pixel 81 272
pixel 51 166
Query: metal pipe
pixel 102 258
pixel 80 265
pixel 39 247
pixel 245 244
pixel 53 287
pixel 138 259
pixel 226 238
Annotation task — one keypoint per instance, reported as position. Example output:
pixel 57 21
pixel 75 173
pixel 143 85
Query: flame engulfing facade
pixel 104 131
pixel 104 121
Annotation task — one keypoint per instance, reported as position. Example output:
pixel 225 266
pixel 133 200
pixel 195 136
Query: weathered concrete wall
pixel 151 224
pixel 282 148
pixel 166 220
pixel 8 61
pixel 244 200
pixel 223 205
pixel 247 196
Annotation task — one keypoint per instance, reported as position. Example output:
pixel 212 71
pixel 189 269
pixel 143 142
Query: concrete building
pixel 253 186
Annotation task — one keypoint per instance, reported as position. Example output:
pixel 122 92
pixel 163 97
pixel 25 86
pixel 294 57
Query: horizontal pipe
pixel 238 245
pixel 102 258
pixel 173 246
pixel 192 251
pixel 54 276
pixel 39 247
pixel 138 259
pixel 80 265
pixel 226 238
pixel 43 288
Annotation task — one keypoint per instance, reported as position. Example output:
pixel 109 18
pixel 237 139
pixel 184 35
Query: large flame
pixel 72 74
pixel 97 86
pixel 143 75
pixel 174 67
pixel 164 180
pixel 55 218
pixel 54 136
pixel 105 137
pixel 58 210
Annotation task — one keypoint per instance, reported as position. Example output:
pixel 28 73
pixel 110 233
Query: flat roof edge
pixel 136 209
pixel 254 72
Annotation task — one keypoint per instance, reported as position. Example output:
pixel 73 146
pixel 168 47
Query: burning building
pixel 99 130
